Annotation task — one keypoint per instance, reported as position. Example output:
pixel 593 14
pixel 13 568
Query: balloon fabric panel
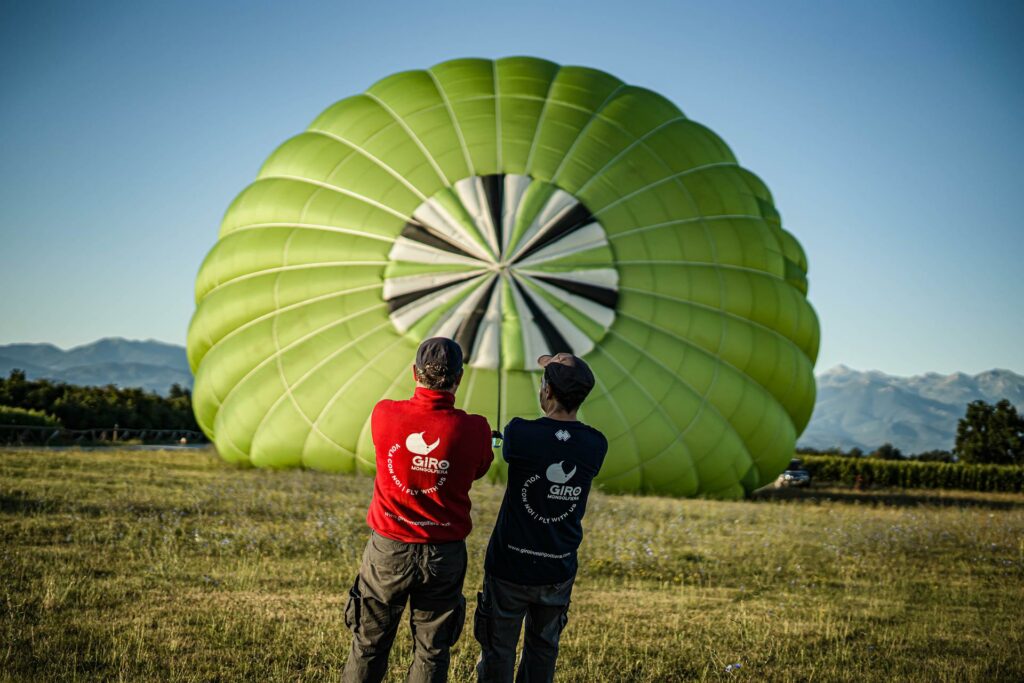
pixel 520 207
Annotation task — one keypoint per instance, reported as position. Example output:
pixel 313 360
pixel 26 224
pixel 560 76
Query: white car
pixel 794 475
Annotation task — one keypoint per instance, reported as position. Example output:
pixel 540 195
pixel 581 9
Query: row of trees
pixel 987 434
pixel 78 407
pixel 884 452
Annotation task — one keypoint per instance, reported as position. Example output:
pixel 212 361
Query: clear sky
pixel 891 135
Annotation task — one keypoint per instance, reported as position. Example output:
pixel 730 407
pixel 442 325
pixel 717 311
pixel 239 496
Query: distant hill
pixel 865 409
pixel 150 364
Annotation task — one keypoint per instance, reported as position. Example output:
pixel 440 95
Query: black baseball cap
pixel 568 375
pixel 441 352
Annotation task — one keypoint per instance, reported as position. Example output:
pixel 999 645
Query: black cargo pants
pixel 500 609
pixel 429 577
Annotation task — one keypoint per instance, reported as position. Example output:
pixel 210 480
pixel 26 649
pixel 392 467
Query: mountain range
pixel 149 364
pixel 865 409
pixel 862 409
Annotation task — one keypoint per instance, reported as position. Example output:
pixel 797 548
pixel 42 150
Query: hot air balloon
pixel 521 208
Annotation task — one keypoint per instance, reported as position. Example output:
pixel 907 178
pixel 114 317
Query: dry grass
pixel 134 565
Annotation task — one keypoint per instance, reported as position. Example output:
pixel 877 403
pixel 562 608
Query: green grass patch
pixel 173 565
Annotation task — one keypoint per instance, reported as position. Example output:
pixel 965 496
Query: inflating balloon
pixel 521 208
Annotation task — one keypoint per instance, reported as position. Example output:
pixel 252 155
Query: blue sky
pixel 889 133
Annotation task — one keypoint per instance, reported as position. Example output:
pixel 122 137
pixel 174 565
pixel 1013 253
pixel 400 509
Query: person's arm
pixel 603 450
pixel 510 441
pixel 373 424
pixel 486 456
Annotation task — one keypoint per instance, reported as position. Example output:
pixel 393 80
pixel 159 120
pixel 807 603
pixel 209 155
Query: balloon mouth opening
pixel 508 266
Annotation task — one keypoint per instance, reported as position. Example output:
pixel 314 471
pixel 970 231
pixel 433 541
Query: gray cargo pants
pixel 500 608
pixel 427 575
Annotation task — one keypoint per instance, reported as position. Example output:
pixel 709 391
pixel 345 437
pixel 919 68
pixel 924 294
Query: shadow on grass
pixel 889 497
pixel 18 504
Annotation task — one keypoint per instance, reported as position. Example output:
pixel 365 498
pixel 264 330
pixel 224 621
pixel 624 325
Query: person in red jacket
pixel 429 453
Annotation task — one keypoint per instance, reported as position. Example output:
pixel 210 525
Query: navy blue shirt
pixel 551 464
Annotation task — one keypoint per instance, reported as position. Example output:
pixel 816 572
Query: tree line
pixel 987 434
pixel 45 402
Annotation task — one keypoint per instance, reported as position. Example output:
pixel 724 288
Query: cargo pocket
pixel 481 621
pixel 459 617
pixel 563 618
pixel 387 557
pixel 354 607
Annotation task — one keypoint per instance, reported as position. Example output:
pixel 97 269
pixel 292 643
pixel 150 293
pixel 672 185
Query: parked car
pixel 794 475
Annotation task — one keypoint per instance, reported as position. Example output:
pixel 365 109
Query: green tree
pixel 23 417
pixel 934 456
pixel 887 452
pixel 991 434
pixel 85 407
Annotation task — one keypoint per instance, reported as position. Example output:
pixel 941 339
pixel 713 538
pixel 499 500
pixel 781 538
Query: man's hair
pixel 435 376
pixel 568 402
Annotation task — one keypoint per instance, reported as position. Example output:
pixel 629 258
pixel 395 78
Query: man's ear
pixel 415 378
pixel 458 381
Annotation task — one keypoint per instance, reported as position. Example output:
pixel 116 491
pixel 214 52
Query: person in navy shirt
pixel 531 561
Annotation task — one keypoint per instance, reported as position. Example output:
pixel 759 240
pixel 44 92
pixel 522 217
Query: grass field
pixel 136 565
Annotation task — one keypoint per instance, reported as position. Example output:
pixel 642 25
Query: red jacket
pixel 428 455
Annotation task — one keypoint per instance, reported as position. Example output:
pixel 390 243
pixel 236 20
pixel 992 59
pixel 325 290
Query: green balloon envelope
pixel 522 208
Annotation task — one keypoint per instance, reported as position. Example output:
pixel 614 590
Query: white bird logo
pixel 557 474
pixel 414 443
